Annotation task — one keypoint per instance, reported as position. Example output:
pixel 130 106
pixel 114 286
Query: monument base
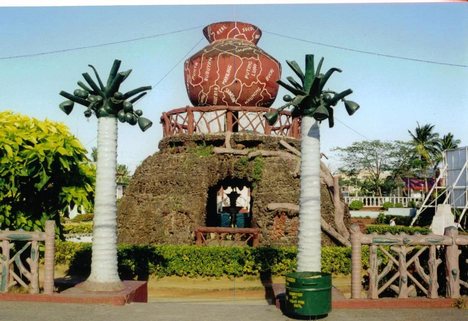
pixel 133 291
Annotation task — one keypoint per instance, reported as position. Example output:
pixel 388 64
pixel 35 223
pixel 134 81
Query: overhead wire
pixel 265 31
pixel 198 42
pixel 98 45
pixel 352 129
pixel 368 52
pixel 178 62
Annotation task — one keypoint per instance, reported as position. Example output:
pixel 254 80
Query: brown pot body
pixel 232 70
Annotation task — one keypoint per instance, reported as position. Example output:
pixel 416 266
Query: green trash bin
pixel 308 293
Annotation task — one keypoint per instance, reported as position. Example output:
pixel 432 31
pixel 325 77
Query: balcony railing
pixel 223 236
pixel 374 201
pixel 221 119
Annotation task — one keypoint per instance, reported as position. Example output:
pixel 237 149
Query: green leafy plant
pixel 387 205
pixel 202 151
pixel 356 205
pixel 140 261
pixel 44 170
pixel 412 204
pixel 80 228
pixel 382 229
pixel 88 217
pixel 381 219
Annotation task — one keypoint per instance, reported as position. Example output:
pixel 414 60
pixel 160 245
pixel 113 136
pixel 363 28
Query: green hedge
pixel 356 205
pixel 382 229
pixel 139 262
pixel 387 205
pixel 83 218
pixel 78 228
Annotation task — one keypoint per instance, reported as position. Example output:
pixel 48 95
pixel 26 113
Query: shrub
pixel 65 252
pixel 387 205
pixel 381 219
pixel 43 170
pixel 141 261
pixel 83 218
pixel 382 229
pixel 356 205
pixel 81 228
pixel 412 204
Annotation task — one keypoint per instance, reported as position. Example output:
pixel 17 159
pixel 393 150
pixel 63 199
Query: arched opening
pixel 229 204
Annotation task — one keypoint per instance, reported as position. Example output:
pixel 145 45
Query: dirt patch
pixel 224 288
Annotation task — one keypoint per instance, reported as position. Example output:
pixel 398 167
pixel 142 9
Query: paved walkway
pixel 253 310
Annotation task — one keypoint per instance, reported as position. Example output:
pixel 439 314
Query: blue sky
pixel 394 94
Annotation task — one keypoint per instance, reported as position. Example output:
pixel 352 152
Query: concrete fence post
pixel 49 257
pixel 356 265
pixel 452 269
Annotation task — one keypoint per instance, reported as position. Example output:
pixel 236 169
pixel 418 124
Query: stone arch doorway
pixel 229 203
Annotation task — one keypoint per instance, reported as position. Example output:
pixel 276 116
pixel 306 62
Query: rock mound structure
pixel 174 191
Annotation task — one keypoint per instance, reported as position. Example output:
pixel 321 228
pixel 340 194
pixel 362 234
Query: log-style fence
pixel 405 272
pixel 13 271
pixel 221 119
pixel 206 235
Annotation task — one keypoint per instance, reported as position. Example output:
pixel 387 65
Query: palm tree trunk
pixel 309 245
pixel 104 274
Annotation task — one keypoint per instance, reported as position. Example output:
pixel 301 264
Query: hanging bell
pixel 321 113
pixel 66 106
pixel 88 113
pixel 351 106
pixel 144 123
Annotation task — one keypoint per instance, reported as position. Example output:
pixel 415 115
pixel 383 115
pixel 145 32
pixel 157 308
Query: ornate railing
pixel 221 119
pixel 405 272
pixel 375 201
pixel 13 271
pixel 227 236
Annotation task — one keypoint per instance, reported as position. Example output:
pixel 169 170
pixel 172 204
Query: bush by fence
pixel 382 229
pixel 78 228
pixel 387 205
pixel 83 218
pixel 139 262
pixel 356 205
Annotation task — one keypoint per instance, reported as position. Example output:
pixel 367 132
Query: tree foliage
pixel 373 161
pixel 43 171
pixel 375 167
pixel 426 143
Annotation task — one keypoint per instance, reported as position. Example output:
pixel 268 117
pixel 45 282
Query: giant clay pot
pixel 232 70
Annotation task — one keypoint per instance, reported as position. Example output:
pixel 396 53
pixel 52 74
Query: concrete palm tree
pixel 108 104
pixel 313 104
